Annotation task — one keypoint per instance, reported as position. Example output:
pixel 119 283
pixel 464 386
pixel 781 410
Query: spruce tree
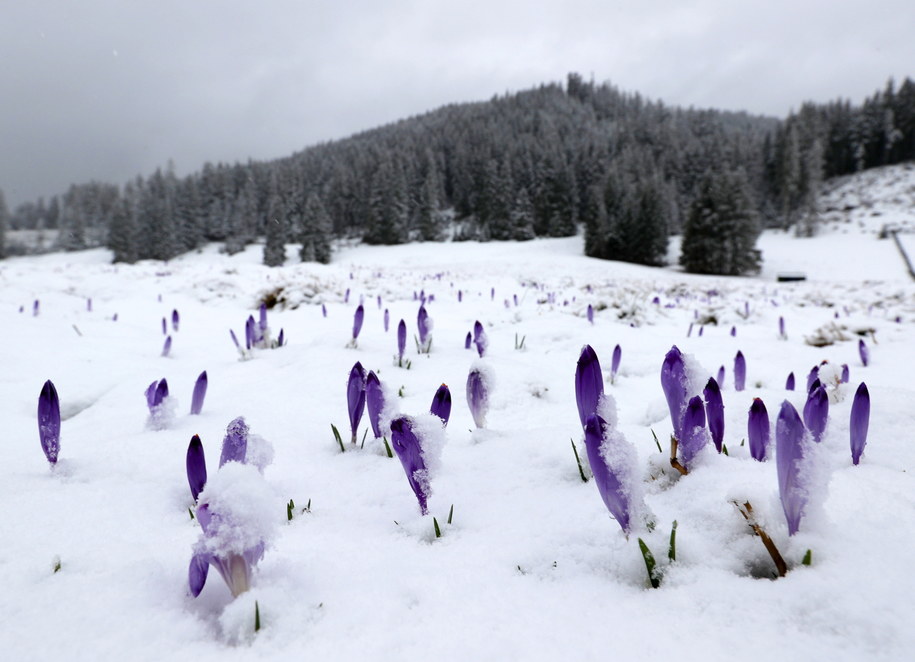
pixel 315 231
pixel 275 229
pixel 720 233
pixel 4 223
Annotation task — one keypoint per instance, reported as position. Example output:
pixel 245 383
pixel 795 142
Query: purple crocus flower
pixel 477 396
pixel 860 418
pixel 863 352
pixel 714 409
pixel 379 302
pixel 479 338
pixel 355 397
pixel 492 294
pixel 781 327
pixel 590 313
pixel 701 330
pixel 789 383
pixel 235 443
pixel 374 402
pixel 844 377
pixel 346 296
pixel 740 372
pixel 35 308
pixel 674 383
pixel 387 319
pixel 515 299
pixel 468 340
pixel 250 336
pixel 758 433
pixel 357 322
pixel 812 376
pixel 401 341
pixel 441 403
pixel 175 320
pixel 460 296
pixel 816 412
pixel 200 392
pixel 156 393
pixel 196 466
pixel 408 447
pixel 789 452
pixel 589 383
pixel 167 347
pixel 49 421
pixel 89 305
pixel 689 331
pixel 164 327
pixel 281 339
pixel 733 331
pixel 694 435
pixel 234 567
pixel 424 326
pixel 607 478
pixel 615 363
pixel 323 310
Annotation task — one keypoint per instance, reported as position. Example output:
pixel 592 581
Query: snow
pixel 532 567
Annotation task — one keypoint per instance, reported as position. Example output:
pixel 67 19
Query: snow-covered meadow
pixel 532 566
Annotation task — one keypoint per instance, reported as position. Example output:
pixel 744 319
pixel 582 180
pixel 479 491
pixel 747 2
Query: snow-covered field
pixel 532 566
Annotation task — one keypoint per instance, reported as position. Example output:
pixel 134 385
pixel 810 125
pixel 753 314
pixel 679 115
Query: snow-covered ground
pixel 532 567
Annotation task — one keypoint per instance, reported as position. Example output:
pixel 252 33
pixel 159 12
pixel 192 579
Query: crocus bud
pixel 714 409
pixel 323 310
pixel 860 418
pixel 468 340
pixel 423 327
pixel 460 296
pixel 355 397
pixel 781 327
pixel 387 319
pixel 613 491
pixel 250 335
pixel 477 396
pixel 262 323
pixel 812 376
pixel 479 338
pixel 694 435
pixel 720 377
pixel 615 363
pixel 740 372
pixel 281 339
pixel 164 327
pixel 590 313
pixel 379 302
pixel 441 403
pixel 167 347
pixel 816 412
pixel 589 383
pixel 175 320
pixel 789 451
pixel 674 384
pixel 409 449
pixel 357 321
pixel 196 466
pixel 235 443
pixel 863 352
pixel 374 402
pixel 758 433
pixel 346 296
pixel 734 333
pixel 49 421
pixel 401 340
pixel 789 383
pixel 200 392
pixel 844 378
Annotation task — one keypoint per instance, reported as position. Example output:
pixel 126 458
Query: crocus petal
pixel 477 397
pixel 740 372
pixel 387 319
pixel 151 394
pixel 401 339
pixel 590 313
pixel 167 347
pixel 789 383
pixel 281 339
pixel 468 340
pixel 407 446
pixel 615 362
pixel 374 402
pixel 161 392
pixel 49 421
pixel 714 409
pixel 355 397
pixel 589 383
pixel 197 573
pixel 262 324
pixel 789 451
pixel 695 436
pixel 758 431
pixel 235 339
pixel 608 483
pixel 844 377
pixel 441 403
pixel 812 376
pixel 479 338
pixel 863 352
pixel 175 320
pixel 674 384
pixel 816 412
pixel 720 377
pixel 196 466
pixel 235 443
pixel 860 418
pixel 357 321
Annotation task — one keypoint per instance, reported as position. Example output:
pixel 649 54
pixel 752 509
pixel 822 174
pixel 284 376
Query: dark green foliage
pixel 315 231
pixel 722 227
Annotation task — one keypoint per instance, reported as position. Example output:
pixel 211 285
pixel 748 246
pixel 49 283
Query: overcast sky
pixel 108 89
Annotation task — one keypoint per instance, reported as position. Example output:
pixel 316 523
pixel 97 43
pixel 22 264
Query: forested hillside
pixel 542 162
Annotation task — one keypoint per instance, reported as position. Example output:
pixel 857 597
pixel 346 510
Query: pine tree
pixel 521 217
pixel 275 228
pixel 315 231
pixel 122 232
pixel 720 233
pixel 4 223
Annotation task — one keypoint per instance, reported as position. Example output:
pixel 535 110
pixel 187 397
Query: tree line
pixel 541 162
